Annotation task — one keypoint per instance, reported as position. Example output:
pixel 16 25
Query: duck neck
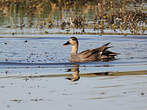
pixel 74 49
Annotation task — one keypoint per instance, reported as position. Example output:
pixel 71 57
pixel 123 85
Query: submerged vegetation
pixel 75 16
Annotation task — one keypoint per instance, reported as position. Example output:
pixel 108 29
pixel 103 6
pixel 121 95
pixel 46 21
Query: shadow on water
pixel 75 75
pixel 71 71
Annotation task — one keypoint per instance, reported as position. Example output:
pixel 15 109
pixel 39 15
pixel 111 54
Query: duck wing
pixel 88 53
pixel 94 52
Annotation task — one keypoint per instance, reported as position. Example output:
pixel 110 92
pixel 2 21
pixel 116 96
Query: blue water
pixel 33 74
pixel 47 54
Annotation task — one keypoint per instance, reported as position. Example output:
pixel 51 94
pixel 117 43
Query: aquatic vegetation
pixel 79 16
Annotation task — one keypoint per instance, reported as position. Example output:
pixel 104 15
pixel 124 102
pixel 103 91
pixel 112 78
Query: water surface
pixel 35 72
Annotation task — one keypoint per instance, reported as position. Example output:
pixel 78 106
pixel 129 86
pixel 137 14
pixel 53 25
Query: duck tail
pixel 110 53
pixel 107 44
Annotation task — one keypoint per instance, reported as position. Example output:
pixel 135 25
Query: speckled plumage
pixel 97 54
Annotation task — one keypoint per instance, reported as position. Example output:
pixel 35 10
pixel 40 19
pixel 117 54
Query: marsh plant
pixel 75 16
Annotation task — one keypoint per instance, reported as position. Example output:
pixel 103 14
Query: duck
pixel 96 54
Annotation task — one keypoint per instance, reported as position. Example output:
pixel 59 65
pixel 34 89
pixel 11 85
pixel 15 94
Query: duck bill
pixel 67 43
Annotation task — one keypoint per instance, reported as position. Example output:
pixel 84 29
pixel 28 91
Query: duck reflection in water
pixel 75 75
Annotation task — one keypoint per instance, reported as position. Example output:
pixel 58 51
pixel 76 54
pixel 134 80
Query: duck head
pixel 72 41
